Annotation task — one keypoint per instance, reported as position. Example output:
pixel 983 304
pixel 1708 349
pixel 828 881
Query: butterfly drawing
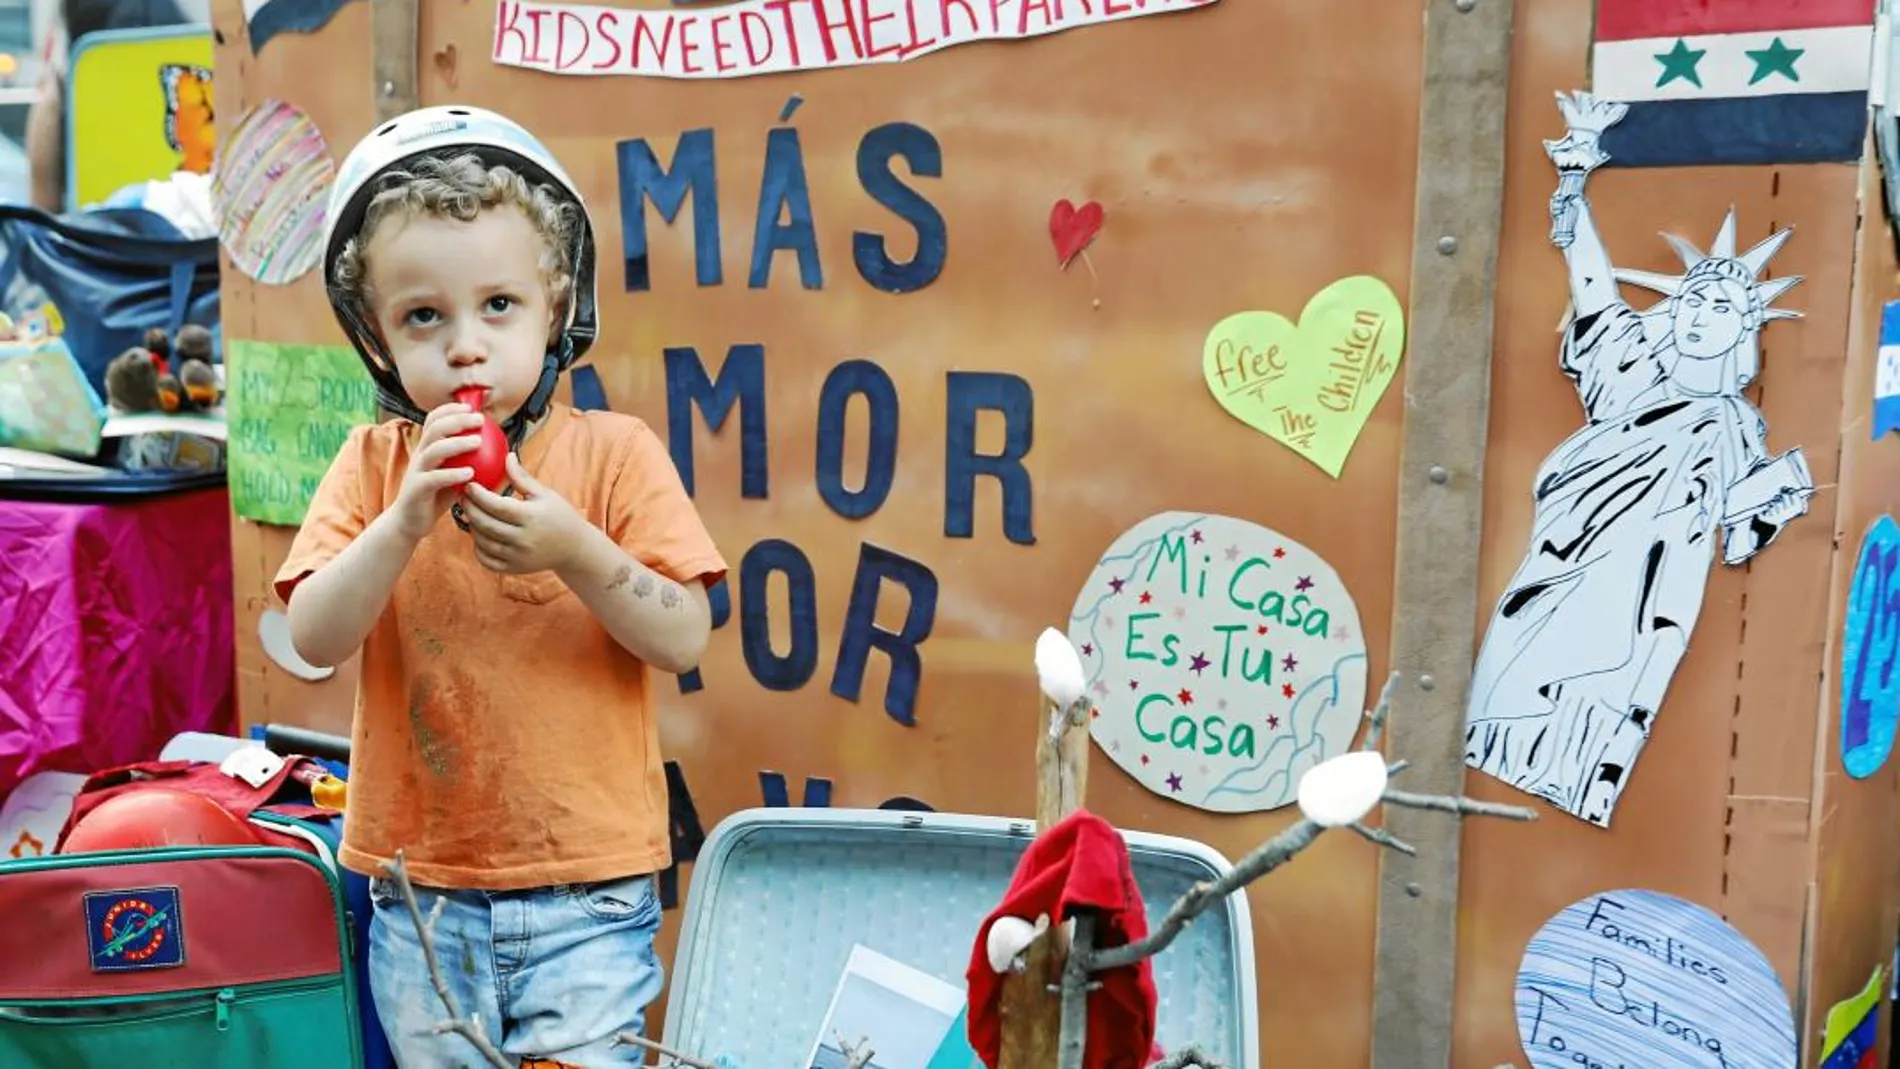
pixel 188 115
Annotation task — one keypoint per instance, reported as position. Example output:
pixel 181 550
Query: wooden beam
pixel 1441 473
pixel 392 42
pixel 1031 1007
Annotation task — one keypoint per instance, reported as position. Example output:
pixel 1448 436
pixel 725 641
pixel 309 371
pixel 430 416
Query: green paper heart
pixel 1310 386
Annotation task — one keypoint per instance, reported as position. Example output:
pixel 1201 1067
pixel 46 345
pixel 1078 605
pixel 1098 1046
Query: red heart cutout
pixel 1072 228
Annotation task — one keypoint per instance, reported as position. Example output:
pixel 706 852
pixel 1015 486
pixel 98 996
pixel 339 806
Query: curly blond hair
pixel 462 187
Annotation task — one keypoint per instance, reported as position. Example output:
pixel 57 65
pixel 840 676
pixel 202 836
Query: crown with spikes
pixel 1721 263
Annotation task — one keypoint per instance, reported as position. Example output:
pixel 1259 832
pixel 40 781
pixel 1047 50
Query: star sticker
pixel 1288 663
pixel 1186 697
pixel 1146 597
pixel 1344 633
pixel 1132 685
pixel 1197 664
pixel 1115 585
pixel 1305 583
pixel 1197 537
pixel 1095 714
pixel 1278 552
pixel 1180 612
pixel 1286 689
pixel 1260 630
pixel 1087 650
pixel 1272 721
pixel 1174 782
pixel 1233 552
pixel 1101 688
pixel 1680 62
pixel 1777 58
pixel 1144 759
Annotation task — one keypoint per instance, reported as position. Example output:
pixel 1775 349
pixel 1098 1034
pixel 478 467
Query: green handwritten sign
pixel 290 408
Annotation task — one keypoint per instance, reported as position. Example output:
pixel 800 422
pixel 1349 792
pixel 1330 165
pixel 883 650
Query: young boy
pixel 504 738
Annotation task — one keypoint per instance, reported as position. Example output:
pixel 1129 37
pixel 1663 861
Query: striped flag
pixel 1734 81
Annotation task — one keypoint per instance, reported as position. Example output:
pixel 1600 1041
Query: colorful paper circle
pixel 1224 660
pixel 1870 653
pixel 270 185
pixel 1632 977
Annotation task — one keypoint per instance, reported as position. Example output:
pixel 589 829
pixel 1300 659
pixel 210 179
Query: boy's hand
pixel 537 531
pixel 428 488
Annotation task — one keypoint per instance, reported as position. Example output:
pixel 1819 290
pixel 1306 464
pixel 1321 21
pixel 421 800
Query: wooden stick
pixel 1032 1009
pixel 469 1028
pixel 629 1039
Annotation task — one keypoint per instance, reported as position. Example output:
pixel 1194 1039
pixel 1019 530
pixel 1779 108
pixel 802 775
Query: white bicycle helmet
pixel 449 131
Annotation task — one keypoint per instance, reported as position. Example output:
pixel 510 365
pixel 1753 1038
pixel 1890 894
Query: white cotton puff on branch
pixel 1058 668
pixel 1343 790
pixel 1009 936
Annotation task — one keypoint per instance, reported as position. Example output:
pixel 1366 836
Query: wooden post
pixel 393 44
pixel 1441 472
pixel 1031 1002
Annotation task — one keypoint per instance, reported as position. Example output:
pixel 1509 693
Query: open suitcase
pixel 779 897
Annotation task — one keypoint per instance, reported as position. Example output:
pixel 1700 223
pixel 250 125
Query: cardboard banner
pixel 774 36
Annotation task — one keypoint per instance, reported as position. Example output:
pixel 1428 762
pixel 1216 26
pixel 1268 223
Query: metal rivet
pixel 1464 5
pixel 1414 890
pixel 1447 245
pixel 1426 682
pixel 1438 475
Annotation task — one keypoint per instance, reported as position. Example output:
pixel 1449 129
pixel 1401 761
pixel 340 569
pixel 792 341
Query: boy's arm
pixel 334 607
pixel 664 623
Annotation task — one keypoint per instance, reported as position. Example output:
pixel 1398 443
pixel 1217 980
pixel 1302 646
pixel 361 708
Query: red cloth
pixel 1081 863
pixel 116 625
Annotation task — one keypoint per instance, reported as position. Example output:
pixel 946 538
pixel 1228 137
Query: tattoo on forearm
pixel 620 577
pixel 643 586
pixel 669 596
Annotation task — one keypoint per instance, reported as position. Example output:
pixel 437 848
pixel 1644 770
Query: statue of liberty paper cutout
pixel 1584 640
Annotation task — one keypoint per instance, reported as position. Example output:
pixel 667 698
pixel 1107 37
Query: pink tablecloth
pixel 115 630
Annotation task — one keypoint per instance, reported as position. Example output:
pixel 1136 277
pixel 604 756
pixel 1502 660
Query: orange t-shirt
pixel 502 738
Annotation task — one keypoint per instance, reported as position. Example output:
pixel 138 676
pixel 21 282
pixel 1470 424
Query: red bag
pixel 287 792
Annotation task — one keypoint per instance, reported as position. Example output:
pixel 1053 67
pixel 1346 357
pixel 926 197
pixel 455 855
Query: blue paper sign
pixel 1887 372
pixel 1639 978
pixel 1870 647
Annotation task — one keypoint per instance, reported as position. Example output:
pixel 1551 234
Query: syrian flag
pixel 1734 81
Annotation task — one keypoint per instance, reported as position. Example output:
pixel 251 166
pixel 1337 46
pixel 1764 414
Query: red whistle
pixel 490 458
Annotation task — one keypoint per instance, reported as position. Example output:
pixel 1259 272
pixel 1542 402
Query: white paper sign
pixel 1640 978
pixel 1223 659
pixel 773 36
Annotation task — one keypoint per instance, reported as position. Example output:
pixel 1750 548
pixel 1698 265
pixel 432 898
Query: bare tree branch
pixel 1380 713
pixel 1188 1057
pixel 469 1028
pixel 1469 807
pixel 856 1055
pixel 673 1057
pixel 1385 838
pixel 1266 857
pixel 1283 847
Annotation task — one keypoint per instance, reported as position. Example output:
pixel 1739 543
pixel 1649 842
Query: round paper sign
pixel 270 186
pixel 1640 978
pixel 1224 660
pixel 1870 653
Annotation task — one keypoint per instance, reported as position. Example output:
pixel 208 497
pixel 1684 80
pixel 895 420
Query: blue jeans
pixel 553 972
